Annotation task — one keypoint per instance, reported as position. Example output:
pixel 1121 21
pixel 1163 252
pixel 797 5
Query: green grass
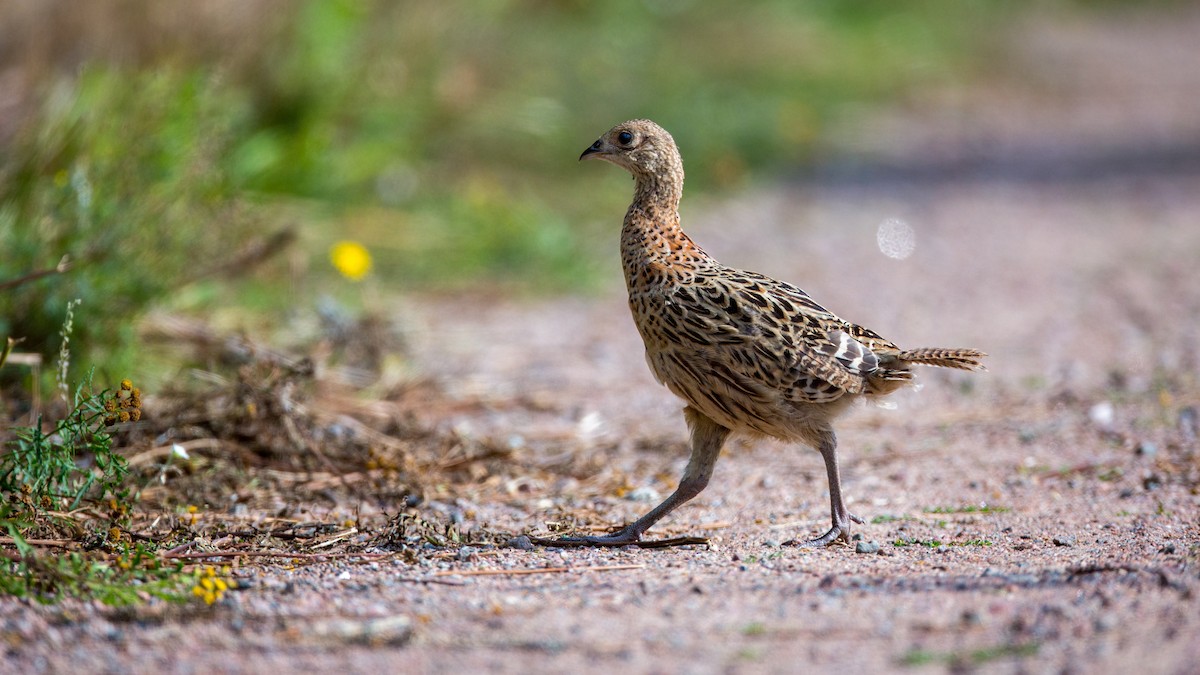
pixel 130 577
pixel 754 628
pixel 934 543
pixel 976 657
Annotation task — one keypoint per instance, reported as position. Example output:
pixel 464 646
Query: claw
pixel 835 533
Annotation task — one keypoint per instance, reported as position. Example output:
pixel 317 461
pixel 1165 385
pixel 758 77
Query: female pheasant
pixel 748 354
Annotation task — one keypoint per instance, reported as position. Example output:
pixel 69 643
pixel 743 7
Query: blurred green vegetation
pixel 156 143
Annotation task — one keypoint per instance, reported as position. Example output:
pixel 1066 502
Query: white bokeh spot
pixel 896 238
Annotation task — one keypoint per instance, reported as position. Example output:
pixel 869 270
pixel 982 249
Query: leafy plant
pixel 45 467
pixel 45 472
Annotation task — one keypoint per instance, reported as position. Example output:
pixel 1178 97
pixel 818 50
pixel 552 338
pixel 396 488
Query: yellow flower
pixel 209 587
pixel 351 258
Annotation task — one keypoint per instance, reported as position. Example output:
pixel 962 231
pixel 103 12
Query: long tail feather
pixel 963 359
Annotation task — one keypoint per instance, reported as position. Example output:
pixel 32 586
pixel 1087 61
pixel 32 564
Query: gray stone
pixel 866 547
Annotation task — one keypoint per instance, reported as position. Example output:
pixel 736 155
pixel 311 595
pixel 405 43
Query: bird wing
pixel 755 334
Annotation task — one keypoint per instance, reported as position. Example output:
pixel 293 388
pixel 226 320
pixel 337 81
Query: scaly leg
pixel 707 439
pixel 827 445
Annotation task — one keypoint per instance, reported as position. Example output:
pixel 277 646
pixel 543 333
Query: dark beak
pixel 592 149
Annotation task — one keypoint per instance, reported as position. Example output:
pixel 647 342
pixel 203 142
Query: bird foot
pixel 838 531
pixel 616 539
pixel 835 533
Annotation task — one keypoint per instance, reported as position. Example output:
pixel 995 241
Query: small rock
pixel 645 494
pixel 1151 482
pixel 1102 415
pixel 866 547
pixel 465 553
pixel 1146 449
pixel 772 543
pixel 391 631
pixel 1167 548
pixel 1064 540
pixel 522 542
pixel 1187 424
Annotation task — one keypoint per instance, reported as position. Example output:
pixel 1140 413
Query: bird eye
pixel 625 138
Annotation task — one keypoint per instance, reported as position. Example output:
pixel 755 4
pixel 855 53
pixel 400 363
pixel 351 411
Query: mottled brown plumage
pixel 747 353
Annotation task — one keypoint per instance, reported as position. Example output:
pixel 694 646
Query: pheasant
pixel 748 354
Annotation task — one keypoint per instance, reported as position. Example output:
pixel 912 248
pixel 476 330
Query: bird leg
pixel 707 439
pixel 827 445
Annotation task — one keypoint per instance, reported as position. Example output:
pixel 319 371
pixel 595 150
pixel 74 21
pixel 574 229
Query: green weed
pixel 44 468
pixel 934 543
pixel 44 474
pixel 921 657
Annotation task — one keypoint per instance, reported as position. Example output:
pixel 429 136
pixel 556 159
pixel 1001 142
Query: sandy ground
pixel 1041 517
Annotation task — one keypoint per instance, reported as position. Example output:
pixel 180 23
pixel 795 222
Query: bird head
pixel 641 147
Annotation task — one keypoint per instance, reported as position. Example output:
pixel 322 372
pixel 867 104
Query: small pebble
pixel 1146 449
pixel 523 542
pixel 866 547
pixel 772 543
pixel 1167 548
pixel 1064 540
pixel 645 494
pixel 1102 415
pixel 387 631
pixel 1187 424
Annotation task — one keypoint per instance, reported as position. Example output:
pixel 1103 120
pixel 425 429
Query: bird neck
pixel 652 238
